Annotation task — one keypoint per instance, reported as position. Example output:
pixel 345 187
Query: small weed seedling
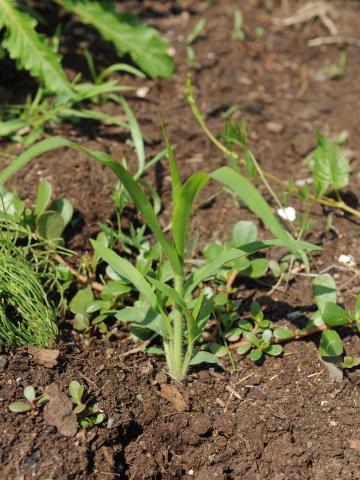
pixel 89 413
pixel 170 310
pixel 32 402
pixel 238 32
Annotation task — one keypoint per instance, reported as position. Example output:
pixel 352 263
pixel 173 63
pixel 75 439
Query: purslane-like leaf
pixel 331 167
pixel 330 344
pixel 30 49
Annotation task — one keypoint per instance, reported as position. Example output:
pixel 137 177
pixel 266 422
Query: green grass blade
pixel 254 201
pixel 182 208
pixel 34 151
pixel 143 204
pixel 176 183
pixel 135 134
pixel 126 269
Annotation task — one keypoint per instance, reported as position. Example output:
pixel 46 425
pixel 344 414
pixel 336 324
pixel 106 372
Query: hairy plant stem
pixel 329 202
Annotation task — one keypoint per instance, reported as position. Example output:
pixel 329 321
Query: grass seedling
pixel 170 310
pixel 238 32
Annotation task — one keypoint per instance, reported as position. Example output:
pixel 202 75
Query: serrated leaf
pixel 330 344
pixel 31 50
pixel 20 407
pixel 127 34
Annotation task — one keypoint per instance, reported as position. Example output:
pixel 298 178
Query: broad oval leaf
pixel 330 344
pixel 243 232
pixel 334 315
pixel 50 225
pixel 204 357
pixel 324 290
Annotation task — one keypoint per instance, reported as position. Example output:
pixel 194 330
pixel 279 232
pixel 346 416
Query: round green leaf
pixel 243 232
pixel 334 315
pixel 50 225
pixel 274 350
pixel 330 344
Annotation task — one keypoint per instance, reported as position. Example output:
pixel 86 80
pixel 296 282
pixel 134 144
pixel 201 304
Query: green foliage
pixel 48 219
pixel 31 49
pixel 238 32
pixel 243 233
pixel 89 414
pixel 26 316
pixel 33 52
pixel 32 402
pixel 330 166
pixel 127 34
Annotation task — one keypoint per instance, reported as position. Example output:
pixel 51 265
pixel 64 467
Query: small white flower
pixel 347 260
pixel 287 213
pixel 191 472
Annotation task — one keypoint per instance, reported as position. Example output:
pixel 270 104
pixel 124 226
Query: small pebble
pixel 3 362
pixel 274 127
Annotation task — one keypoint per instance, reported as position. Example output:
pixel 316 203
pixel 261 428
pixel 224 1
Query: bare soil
pixel 284 419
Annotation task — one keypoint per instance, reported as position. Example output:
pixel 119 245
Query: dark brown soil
pixel 284 419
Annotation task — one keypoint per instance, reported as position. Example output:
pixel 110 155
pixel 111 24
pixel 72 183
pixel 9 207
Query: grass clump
pixel 26 316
